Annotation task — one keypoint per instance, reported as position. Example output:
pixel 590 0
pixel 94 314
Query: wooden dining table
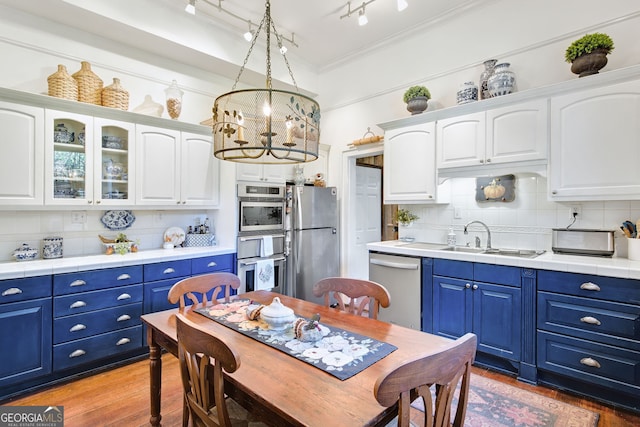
pixel 284 390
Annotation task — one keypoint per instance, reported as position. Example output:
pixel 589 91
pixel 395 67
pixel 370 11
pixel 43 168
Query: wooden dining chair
pixel 361 295
pixel 196 288
pixel 203 359
pixel 444 369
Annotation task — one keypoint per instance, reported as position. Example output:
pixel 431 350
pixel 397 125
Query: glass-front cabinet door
pixel 68 154
pixel 113 161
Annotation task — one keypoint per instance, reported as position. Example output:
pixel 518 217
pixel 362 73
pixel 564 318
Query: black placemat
pixel 339 353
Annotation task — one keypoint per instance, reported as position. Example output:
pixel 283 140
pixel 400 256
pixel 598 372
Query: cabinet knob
pixel 587 361
pixel 554 192
pixel 11 291
pixel 481 161
pixel 589 286
pixel 474 287
pixel 90 201
pixel 488 160
pixel 468 285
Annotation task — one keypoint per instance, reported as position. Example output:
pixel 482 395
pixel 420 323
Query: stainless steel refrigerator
pixel 314 247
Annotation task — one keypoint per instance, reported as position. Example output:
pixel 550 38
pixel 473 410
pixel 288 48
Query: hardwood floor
pixel 120 398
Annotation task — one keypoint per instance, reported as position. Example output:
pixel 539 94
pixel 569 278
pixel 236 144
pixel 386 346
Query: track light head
pixel 362 18
pixel 191 7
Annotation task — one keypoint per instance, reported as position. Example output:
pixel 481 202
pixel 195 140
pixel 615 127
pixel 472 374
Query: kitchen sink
pixel 520 253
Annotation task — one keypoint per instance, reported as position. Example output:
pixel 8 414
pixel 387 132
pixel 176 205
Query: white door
pixel 368 216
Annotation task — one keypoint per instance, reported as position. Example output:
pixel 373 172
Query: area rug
pixel 495 404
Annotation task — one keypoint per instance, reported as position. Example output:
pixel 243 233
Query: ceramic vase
pixel 489 65
pixel 589 63
pixel 502 81
pixel 417 105
pixel 468 93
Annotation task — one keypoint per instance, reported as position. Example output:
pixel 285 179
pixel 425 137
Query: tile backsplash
pixel 525 223
pixel 81 238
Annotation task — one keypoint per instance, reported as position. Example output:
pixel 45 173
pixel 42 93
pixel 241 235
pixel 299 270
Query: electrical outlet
pixel 457 212
pixel 78 217
pixel 576 211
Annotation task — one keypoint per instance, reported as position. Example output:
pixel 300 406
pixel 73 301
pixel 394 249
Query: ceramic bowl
pixel 277 316
pixel 25 253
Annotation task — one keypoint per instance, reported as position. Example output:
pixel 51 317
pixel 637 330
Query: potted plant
pixel 405 217
pixel 588 54
pixel 416 98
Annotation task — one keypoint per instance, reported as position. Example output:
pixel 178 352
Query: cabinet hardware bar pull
pixel 77 353
pixel 77 283
pixel 394 264
pixel 124 296
pixel 590 320
pixel 588 286
pixel 246 239
pixel 212 264
pixel 124 276
pixel 123 318
pixel 587 361
pixel 168 271
pixel 78 327
pixel 11 291
pixel 78 304
pixel 122 341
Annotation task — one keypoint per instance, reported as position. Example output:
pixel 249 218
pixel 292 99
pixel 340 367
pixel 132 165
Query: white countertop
pixel 613 267
pixel 39 267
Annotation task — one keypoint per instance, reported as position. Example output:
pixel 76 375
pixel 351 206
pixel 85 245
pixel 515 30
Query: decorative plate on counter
pixel 174 235
pixel 118 220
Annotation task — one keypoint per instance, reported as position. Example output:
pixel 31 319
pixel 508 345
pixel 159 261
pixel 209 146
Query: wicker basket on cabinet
pixel 115 96
pixel 89 85
pixel 62 85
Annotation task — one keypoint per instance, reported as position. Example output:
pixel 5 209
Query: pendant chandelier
pixel 266 126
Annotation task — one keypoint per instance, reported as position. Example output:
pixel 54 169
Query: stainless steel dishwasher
pixel 402 276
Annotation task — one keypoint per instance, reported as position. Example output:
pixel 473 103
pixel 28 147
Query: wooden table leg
pixel 155 377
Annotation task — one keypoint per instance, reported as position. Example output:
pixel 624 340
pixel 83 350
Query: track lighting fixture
pixel 362 18
pixel 191 7
pixel 402 5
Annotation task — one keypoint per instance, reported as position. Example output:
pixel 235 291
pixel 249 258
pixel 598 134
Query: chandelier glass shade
pixel 266 126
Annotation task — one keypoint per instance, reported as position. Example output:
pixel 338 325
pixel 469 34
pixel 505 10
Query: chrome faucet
pixel 485 227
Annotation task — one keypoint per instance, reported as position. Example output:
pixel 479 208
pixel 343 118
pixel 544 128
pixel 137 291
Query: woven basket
pixel 115 96
pixel 62 85
pixel 89 85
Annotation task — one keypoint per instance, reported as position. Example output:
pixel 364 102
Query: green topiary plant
pixel 588 44
pixel 405 217
pixel 414 91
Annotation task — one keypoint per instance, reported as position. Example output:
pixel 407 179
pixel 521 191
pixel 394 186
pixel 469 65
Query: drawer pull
pixel 468 285
pixel 124 296
pixel 168 271
pixel 77 283
pixel 78 304
pixel 590 320
pixel 212 264
pixel 588 286
pixel 78 327
pixel 590 362
pixel 122 341
pixel 11 291
pixel 124 276
pixel 77 353
pixel 124 318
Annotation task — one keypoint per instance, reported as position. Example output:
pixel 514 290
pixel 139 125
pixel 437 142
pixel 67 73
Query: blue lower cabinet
pixel 212 264
pixel 86 350
pixel 25 341
pixel 96 300
pixel 156 295
pixel 69 328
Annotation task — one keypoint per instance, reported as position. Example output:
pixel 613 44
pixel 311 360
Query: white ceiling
pixel 322 36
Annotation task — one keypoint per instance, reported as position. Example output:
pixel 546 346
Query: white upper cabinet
pixel 268 174
pixel 115 149
pixel 69 162
pixel 175 168
pixel 158 159
pixel 22 159
pixel 514 133
pixel 200 176
pixel 409 165
pixel 595 144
